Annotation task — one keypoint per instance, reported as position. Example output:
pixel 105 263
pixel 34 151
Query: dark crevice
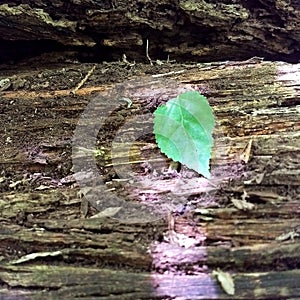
pixel 47 51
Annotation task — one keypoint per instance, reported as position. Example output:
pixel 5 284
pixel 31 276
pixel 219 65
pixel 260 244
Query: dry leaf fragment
pixel 245 155
pixel 242 204
pixel 225 280
pixel 108 212
pixel 4 84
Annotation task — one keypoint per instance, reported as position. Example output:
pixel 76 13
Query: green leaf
pixel 183 130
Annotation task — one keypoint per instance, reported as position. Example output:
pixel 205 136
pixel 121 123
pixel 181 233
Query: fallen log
pixel 47 238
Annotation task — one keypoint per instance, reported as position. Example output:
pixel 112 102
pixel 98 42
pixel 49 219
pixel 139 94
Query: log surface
pixel 51 247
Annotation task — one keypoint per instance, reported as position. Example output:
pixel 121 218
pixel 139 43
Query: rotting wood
pixel 139 29
pixel 251 100
pixel 111 284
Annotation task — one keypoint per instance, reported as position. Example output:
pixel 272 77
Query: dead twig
pixel 167 74
pixel 147 52
pixel 82 82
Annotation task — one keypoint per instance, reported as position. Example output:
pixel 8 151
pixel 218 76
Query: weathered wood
pixel 259 247
pixel 182 29
pixel 108 284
